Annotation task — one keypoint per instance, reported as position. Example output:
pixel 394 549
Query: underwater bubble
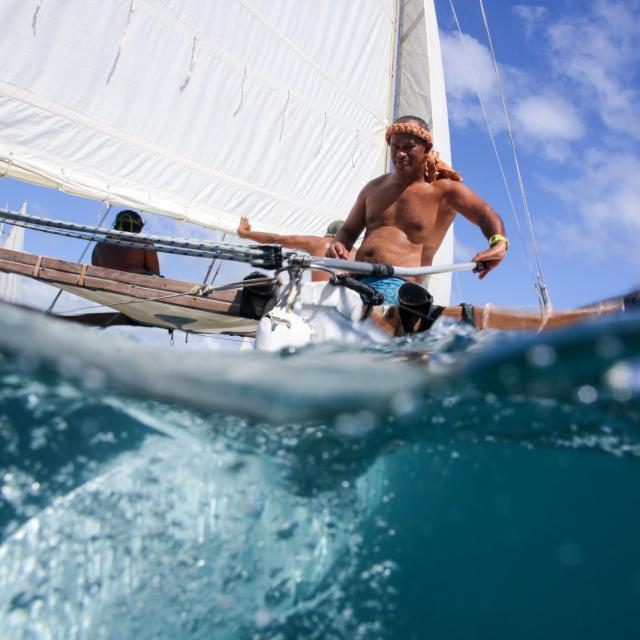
pixel 587 394
pixel 450 401
pixel 542 355
pixel 38 438
pixel 623 380
pixel 355 425
pixel 403 403
pixel 262 618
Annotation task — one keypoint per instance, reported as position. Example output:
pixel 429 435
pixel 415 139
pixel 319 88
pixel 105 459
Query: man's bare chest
pixel 412 211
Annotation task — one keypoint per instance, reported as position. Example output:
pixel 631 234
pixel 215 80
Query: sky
pixel 570 72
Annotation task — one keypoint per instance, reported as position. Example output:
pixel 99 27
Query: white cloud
pixel 548 116
pixel 604 201
pixel 532 15
pixel 466 73
pixel 548 120
pixel 461 78
pixel 597 53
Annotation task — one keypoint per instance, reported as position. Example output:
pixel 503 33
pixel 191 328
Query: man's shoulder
pixel 445 186
pixel 376 182
pixel 446 183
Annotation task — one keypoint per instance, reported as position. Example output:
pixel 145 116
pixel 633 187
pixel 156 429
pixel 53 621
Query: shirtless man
pixel 110 256
pixel 313 245
pixel 405 214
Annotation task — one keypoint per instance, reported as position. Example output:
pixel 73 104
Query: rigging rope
pixel 541 287
pixel 55 300
pixel 536 273
pixel 213 262
pixel 493 141
pixel 198 291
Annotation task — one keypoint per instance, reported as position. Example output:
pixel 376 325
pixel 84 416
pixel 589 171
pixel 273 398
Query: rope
pixel 215 275
pixel 199 291
pixel 493 142
pixel 373 297
pixel 55 300
pixel 540 285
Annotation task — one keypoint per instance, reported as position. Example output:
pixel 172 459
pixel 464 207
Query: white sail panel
pixel 9 282
pixel 199 110
pixel 207 111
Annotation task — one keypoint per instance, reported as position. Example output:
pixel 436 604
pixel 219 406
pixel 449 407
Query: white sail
pixel 207 111
pixel 9 282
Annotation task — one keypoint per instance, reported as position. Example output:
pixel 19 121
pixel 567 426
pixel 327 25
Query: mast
pixel 420 91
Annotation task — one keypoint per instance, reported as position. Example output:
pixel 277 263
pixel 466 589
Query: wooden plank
pixel 120 282
pixel 16 267
pixel 17 257
pixel 143 293
pixel 10 261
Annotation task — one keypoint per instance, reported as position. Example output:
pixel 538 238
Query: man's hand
pixel 491 258
pixel 337 250
pixel 244 227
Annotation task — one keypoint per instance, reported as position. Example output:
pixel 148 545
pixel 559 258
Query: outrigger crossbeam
pixel 265 256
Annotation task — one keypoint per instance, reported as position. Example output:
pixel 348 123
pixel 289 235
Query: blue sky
pixel 570 72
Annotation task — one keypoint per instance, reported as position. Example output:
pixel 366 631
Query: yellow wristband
pixel 497 237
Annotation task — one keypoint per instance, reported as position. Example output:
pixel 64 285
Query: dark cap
pixel 128 220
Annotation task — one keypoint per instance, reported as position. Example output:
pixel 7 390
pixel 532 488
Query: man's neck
pixel 408 179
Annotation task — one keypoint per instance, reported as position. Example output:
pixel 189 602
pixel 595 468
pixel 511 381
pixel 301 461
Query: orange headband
pixel 411 129
pixel 435 169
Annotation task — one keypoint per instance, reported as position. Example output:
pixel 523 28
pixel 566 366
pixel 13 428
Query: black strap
pixel 368 293
pixel 468 314
pixel 381 270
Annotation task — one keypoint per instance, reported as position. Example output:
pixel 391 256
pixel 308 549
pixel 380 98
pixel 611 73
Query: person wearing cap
pixel 405 214
pixel 313 245
pixel 131 259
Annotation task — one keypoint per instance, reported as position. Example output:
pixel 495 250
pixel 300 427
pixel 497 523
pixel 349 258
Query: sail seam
pixel 219 53
pixel 294 47
pixel 38 102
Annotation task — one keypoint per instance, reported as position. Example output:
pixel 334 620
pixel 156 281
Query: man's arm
pixel 476 210
pixel 95 256
pixel 151 262
pixel 342 244
pixel 306 243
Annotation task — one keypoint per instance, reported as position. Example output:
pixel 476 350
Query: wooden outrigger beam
pixel 148 300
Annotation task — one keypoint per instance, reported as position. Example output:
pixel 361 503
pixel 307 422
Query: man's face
pixel 408 153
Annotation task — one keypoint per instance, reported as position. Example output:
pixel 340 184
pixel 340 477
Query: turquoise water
pixel 488 490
